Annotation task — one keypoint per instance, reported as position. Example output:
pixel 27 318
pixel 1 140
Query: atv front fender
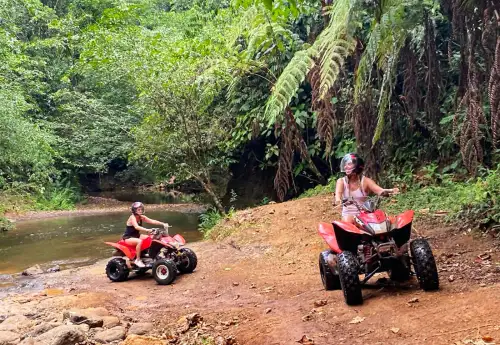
pixel 404 219
pixel 124 249
pixel 325 230
pixel 349 227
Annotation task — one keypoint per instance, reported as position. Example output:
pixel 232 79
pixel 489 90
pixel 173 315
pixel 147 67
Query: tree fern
pixel 398 20
pixel 333 45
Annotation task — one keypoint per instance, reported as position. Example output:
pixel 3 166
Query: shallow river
pixel 76 240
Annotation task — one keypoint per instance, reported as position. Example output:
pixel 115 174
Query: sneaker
pixel 139 263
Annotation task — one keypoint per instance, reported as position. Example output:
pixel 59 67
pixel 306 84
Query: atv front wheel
pixel 188 262
pixel 329 278
pixel 349 278
pixel 425 265
pixel 117 270
pixel 164 271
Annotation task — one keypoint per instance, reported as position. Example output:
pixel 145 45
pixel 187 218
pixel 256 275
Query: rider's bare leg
pixel 138 243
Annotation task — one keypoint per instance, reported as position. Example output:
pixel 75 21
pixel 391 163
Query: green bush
pixel 473 202
pixel 5 224
pixel 211 218
pixel 58 197
pixel 320 189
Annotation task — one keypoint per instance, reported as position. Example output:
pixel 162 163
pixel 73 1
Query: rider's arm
pixel 152 221
pixel 339 190
pixel 137 226
pixel 376 189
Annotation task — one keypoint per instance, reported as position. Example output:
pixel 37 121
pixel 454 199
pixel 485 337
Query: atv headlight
pixel 379 228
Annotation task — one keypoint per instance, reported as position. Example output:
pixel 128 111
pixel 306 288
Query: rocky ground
pixel 261 285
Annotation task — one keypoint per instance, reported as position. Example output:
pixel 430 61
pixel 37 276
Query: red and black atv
pixel 160 252
pixel 377 243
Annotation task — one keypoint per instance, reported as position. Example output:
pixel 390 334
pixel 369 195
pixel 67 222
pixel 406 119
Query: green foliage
pixel 210 219
pixel 26 156
pixel 184 87
pixel 474 202
pixel 265 200
pixel 59 196
pixel 320 190
pixel 5 224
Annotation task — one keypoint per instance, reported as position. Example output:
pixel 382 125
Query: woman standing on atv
pixel 355 185
pixel 134 225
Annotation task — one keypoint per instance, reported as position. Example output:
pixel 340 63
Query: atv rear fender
pixel 124 249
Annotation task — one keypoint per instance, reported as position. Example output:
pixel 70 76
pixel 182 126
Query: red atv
pixel 377 243
pixel 160 252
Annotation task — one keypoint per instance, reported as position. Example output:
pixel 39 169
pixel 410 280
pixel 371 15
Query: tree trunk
pixel 210 191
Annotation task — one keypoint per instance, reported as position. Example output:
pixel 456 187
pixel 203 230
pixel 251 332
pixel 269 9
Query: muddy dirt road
pixel 261 285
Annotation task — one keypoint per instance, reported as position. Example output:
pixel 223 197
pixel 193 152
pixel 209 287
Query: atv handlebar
pixel 158 232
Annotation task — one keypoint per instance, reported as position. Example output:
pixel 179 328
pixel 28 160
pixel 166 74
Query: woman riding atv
pixel 134 225
pixel 355 185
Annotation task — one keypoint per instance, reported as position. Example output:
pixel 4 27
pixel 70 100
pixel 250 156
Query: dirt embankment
pixel 261 285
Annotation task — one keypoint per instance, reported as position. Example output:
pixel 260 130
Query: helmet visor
pixel 348 164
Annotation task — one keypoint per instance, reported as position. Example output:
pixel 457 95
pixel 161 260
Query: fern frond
pixel 336 43
pixel 288 83
pixel 267 35
pixel 332 60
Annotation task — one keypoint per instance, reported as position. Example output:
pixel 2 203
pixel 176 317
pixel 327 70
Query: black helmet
pixel 137 205
pixel 352 163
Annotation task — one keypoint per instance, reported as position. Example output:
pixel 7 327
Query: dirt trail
pixel 261 283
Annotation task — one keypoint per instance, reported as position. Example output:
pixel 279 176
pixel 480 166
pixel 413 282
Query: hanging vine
pixel 494 96
pixel 432 76
pixel 471 134
pixel 411 95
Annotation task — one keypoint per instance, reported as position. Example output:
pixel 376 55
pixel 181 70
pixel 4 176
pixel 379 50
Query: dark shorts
pixel 127 237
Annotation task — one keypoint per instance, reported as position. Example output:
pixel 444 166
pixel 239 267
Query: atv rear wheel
pixel 349 278
pixel 164 271
pixel 399 271
pixel 329 278
pixel 117 270
pixel 188 262
pixel 425 265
